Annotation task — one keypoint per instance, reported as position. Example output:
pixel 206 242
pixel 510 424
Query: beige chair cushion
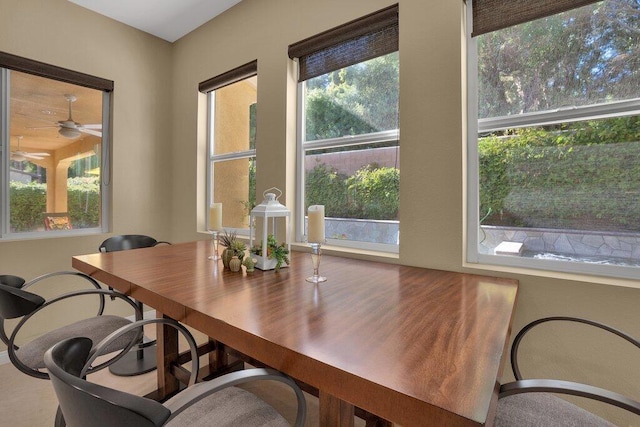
pixel 543 410
pixel 231 407
pixel 96 328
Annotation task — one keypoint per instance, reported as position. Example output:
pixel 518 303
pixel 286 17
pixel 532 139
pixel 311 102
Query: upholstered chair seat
pixel 537 402
pixel 231 407
pixel 544 410
pixel 20 301
pixel 97 328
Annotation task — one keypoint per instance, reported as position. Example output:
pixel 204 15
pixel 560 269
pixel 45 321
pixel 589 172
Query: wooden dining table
pixel 410 345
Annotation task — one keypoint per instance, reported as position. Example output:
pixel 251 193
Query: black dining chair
pixel 217 402
pixel 19 301
pixel 530 402
pixel 142 359
pixel 125 242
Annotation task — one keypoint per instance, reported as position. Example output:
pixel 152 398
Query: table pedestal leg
pixel 167 353
pixel 335 412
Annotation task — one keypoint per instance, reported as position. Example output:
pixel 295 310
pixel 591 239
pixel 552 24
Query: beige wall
pixel 60 33
pixel 169 133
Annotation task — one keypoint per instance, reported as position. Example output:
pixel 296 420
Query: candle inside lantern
pixel 315 231
pixel 215 217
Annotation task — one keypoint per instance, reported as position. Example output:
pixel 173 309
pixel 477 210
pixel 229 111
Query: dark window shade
pixel 41 69
pixel 492 15
pixel 356 41
pixel 232 76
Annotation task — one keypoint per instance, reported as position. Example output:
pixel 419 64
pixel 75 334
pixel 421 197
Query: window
pixel 232 105
pixel 53 168
pixel 348 131
pixel 554 177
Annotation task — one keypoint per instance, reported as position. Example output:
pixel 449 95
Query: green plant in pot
pixel 233 247
pixel 275 251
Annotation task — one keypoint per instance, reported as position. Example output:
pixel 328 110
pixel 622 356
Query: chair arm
pixel 90 279
pixel 518 339
pixel 98 349
pixel 101 292
pixel 187 397
pixel 3 334
pixel 63 273
pixel 570 388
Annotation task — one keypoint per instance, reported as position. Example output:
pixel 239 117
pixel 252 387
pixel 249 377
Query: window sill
pixel 51 234
pixel 587 278
pixel 367 255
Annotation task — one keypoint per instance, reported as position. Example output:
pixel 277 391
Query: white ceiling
pixel 167 19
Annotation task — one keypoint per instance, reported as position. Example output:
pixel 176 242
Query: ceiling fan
pixel 72 129
pixel 21 156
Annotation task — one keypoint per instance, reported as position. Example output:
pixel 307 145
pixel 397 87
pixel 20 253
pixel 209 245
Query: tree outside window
pixel 351 150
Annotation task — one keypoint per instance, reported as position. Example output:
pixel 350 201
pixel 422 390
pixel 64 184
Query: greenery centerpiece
pixel 233 247
pixel 278 254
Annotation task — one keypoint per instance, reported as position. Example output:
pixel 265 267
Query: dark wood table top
pixel 412 345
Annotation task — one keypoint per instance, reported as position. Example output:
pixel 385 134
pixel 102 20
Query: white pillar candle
pixel 315 231
pixel 215 217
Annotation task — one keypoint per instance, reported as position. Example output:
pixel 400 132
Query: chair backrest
pixel 87 404
pixel 15 302
pixel 124 242
pixel 11 280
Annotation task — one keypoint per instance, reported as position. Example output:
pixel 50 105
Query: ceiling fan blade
pixel 21 156
pixel 44 127
pixel 25 153
pixel 92 126
pixel 90 131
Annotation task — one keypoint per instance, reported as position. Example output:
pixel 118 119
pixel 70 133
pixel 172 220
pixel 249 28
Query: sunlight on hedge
pixel 29 202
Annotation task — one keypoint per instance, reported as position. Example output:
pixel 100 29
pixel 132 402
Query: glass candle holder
pixel 214 241
pixel 315 260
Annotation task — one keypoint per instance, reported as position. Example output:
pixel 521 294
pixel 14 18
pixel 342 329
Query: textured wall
pixel 61 33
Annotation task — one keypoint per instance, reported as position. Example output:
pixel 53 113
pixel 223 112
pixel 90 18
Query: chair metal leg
pixel 138 361
pixel 59 420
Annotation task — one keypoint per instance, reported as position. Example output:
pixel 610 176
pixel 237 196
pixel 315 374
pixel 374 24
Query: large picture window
pixel 554 172
pixel 348 131
pixel 232 107
pixel 53 176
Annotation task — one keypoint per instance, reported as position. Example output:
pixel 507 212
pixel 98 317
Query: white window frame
pixel 561 115
pixel 105 172
pixel 345 141
pixel 214 158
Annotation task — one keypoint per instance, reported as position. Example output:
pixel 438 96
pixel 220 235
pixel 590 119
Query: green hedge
pixel 582 177
pixel 29 202
pixel 372 192
pixel 325 186
pixel 83 201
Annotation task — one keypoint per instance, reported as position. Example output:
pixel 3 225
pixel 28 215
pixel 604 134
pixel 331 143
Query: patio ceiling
pixel 37 104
